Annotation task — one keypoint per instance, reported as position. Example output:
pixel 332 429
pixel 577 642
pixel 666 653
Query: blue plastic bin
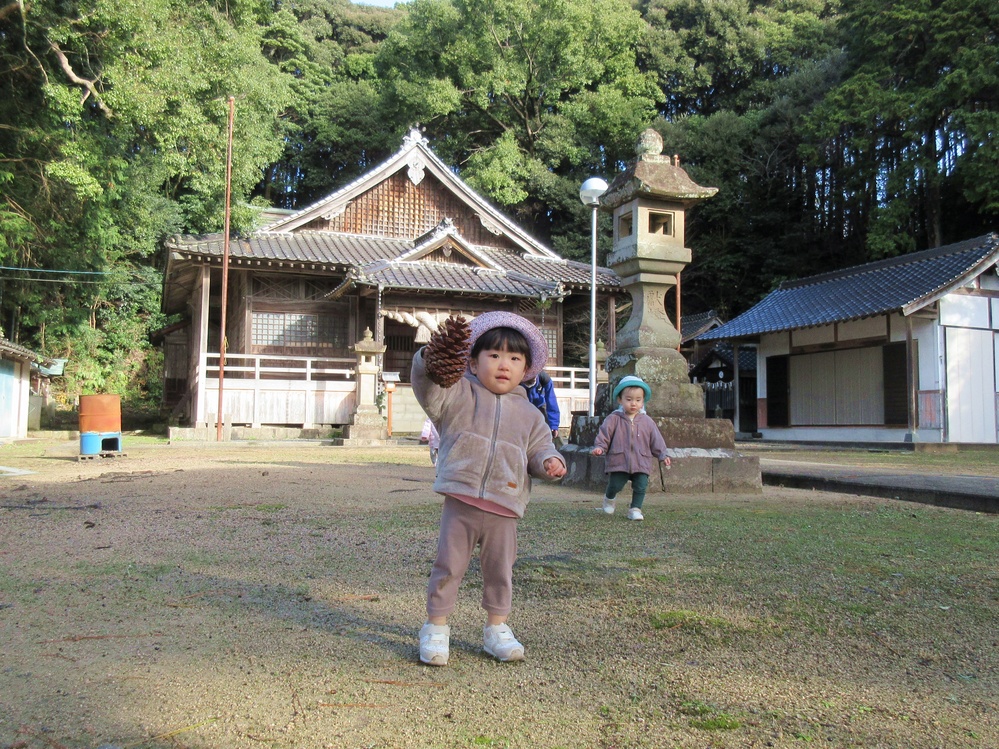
pixel 95 443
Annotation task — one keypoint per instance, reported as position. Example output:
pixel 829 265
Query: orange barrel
pixel 100 413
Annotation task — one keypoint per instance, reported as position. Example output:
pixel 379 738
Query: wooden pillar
pixel 736 416
pixel 199 346
pixel 911 380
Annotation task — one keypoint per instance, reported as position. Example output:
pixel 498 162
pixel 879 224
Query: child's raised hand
pixel 597 451
pixel 554 468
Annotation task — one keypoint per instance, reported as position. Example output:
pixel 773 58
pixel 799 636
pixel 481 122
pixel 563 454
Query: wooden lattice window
pixel 270 287
pixel 291 289
pixel 551 338
pixel 300 330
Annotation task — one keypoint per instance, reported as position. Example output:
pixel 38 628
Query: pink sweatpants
pixel 462 528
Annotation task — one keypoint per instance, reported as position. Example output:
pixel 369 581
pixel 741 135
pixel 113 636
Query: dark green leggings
pixel 639 485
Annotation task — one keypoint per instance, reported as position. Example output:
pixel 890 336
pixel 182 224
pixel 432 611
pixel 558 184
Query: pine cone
pixel 447 353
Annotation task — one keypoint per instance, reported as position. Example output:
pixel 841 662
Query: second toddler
pixel 633 444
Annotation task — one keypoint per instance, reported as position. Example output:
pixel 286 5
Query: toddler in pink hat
pixel 492 441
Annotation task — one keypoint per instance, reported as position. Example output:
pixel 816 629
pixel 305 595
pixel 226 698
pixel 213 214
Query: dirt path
pixel 269 595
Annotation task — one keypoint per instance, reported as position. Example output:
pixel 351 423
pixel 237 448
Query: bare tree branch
pixel 8 9
pixel 89 86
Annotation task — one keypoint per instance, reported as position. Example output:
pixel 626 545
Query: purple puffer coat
pixel 630 446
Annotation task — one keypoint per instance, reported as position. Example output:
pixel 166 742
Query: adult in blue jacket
pixel 541 393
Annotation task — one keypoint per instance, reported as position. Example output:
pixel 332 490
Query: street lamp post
pixel 590 193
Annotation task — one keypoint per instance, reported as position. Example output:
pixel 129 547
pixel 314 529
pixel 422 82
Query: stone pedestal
pixel 693 471
pixel 707 462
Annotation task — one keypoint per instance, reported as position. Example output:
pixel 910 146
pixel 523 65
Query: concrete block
pixel 583 431
pixel 577 461
pixel 704 433
pixel 597 472
pixel 739 475
pixel 688 476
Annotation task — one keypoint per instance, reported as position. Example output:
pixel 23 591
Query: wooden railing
pixel 262 366
pixel 261 389
pixel 305 391
pixel 569 378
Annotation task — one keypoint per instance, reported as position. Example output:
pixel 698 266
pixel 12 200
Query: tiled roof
pixel 12 350
pixel 367 256
pixel 723 352
pixel 901 284
pixel 527 268
pixel 429 276
pixel 321 247
pixel 700 322
pixel 569 272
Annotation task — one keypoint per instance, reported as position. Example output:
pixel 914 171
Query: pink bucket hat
pixel 536 341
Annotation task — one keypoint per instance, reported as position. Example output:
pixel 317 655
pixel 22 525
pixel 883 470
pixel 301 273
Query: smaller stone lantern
pixel 367 425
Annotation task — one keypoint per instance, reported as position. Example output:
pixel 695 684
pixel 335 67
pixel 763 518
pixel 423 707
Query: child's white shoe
pixel 608 505
pixel 435 641
pixel 635 514
pixel 499 642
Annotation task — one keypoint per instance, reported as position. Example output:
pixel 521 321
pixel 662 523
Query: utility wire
pixel 46 270
pixel 75 272
pixel 80 283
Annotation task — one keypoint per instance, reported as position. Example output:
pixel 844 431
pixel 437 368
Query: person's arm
pixel 551 408
pixel 604 437
pixel 659 445
pixel 543 460
pixel 431 396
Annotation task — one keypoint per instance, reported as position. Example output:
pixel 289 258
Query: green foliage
pixel 836 131
pixel 117 138
pixel 527 98
pixel 905 121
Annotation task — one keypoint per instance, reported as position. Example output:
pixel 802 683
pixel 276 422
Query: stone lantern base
pixel 706 464
pixel 368 428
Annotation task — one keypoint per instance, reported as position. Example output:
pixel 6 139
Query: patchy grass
pixel 250 596
pixel 688 619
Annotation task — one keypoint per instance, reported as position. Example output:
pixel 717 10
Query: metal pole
pixel 679 322
pixel 593 313
pixel 388 398
pixel 225 264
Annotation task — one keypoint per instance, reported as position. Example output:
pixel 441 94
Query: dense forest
pixel 837 131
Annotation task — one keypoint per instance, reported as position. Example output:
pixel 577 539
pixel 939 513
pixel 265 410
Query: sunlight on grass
pixel 686 619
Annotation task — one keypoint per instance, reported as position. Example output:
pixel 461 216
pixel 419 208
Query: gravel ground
pixel 247 596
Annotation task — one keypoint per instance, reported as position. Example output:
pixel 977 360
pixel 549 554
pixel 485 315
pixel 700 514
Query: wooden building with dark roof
pixel 396 251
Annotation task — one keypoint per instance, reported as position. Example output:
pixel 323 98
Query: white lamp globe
pixel 591 190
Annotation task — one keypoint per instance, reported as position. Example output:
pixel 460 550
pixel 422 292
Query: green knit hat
pixel 630 381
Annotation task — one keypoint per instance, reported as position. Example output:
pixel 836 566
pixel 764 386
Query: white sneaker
pixel 499 642
pixel 608 505
pixel 435 640
pixel 635 514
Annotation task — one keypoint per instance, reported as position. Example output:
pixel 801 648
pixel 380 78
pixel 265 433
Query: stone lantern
pixel 367 425
pixel 649 200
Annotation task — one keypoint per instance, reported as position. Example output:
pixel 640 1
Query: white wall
pixel 971 385
pixel 15 400
pixel 926 334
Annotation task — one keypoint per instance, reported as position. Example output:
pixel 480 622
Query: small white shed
pixel 899 350
pixel 15 387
